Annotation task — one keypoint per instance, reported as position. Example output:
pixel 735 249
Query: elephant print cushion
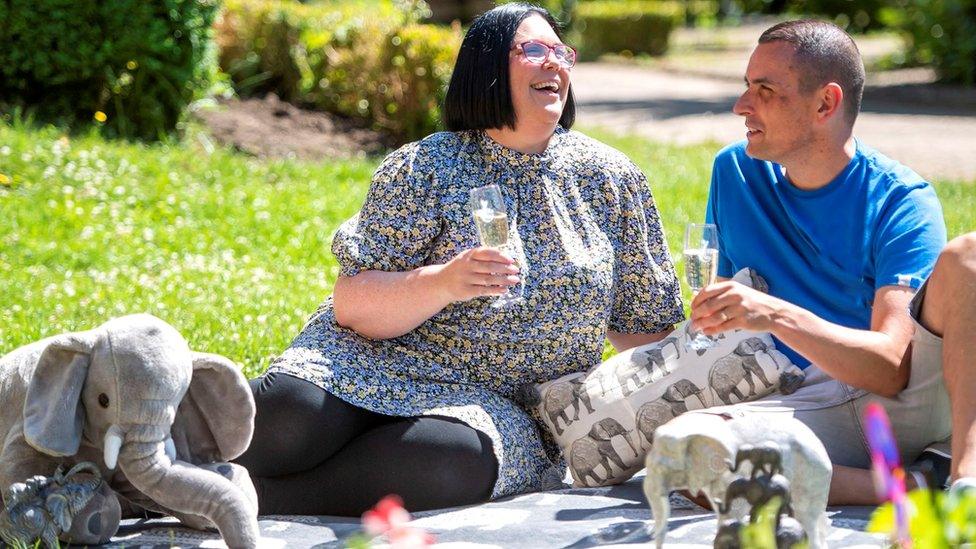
pixel 604 419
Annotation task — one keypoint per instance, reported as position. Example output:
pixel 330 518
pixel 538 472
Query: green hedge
pixel 371 61
pixel 624 26
pixel 131 65
pixel 941 33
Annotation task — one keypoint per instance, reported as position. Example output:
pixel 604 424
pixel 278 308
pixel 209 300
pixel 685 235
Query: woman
pixel 403 381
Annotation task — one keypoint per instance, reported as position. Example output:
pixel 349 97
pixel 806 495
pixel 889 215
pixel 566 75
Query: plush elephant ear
pixel 53 414
pixel 215 420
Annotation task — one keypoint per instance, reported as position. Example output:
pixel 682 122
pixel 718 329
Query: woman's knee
pixel 468 467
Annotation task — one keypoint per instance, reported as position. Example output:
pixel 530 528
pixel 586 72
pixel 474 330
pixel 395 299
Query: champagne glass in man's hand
pixel 701 266
pixel 491 220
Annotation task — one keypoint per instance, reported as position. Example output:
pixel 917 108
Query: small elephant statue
pixel 43 508
pixel 696 451
pixel 159 421
pixel 765 458
pixel 758 491
pixel 729 535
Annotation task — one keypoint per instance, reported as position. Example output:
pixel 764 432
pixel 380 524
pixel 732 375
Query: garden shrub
pixel 852 15
pixel 132 65
pixel 941 33
pixel 624 26
pixel 369 61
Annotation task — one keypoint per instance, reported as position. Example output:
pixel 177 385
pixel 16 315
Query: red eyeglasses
pixel 538 52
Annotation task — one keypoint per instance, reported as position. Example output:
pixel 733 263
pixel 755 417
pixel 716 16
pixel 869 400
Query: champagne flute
pixel 491 220
pixel 701 266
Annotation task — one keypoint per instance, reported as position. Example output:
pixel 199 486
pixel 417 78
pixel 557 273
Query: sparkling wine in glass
pixel 491 220
pixel 701 266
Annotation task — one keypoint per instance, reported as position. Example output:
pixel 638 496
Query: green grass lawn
pixel 231 250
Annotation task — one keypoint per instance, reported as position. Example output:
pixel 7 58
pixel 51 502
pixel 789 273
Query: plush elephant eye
pixel 103 400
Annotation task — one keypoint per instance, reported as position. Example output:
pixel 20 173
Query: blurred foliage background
pixel 131 67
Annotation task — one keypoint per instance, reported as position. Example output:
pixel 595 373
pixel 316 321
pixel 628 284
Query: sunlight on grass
pixel 232 250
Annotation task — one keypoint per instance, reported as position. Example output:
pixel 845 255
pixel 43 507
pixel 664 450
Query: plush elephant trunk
pixel 186 488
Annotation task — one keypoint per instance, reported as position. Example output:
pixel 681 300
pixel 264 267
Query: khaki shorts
pixel 833 410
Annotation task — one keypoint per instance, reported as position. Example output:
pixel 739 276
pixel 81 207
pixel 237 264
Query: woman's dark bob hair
pixel 479 96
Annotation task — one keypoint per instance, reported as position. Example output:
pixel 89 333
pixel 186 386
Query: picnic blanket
pixel 613 516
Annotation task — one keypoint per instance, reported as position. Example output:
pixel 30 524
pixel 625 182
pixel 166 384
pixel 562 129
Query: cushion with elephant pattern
pixel 604 419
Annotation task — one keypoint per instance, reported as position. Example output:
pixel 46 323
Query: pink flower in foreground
pixel 390 518
pixel 889 476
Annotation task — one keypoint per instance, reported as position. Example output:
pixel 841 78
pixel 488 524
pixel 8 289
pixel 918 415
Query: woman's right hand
pixel 477 272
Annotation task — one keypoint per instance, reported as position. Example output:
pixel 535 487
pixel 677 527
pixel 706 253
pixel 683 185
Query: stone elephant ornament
pixel 158 420
pixel 695 451
pixel 596 449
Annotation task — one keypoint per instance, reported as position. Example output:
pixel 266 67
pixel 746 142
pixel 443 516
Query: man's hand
pixel 727 306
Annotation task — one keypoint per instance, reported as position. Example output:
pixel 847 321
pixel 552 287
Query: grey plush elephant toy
pixel 159 420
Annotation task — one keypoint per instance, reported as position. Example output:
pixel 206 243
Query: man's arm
pixel 874 360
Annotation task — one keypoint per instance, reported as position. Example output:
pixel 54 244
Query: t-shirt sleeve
pixel 725 268
pixel 647 298
pixel 910 236
pixel 399 220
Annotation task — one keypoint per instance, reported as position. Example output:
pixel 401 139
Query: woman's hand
pixel 476 272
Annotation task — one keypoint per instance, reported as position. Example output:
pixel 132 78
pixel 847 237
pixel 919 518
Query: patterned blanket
pixel 569 518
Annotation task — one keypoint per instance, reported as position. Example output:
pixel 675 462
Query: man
pixel 844 236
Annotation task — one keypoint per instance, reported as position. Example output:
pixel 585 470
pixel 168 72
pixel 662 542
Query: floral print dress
pixel 589 243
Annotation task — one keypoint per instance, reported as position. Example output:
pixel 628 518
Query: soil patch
pixel 271 128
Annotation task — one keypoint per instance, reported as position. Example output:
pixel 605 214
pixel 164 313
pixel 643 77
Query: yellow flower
pixel 100 117
pixel 132 65
pixel 4 180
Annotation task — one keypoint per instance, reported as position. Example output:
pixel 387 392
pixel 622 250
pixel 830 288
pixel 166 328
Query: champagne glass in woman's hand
pixel 491 220
pixel 701 265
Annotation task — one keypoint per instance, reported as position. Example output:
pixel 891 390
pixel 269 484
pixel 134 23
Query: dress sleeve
pixel 647 298
pixel 396 227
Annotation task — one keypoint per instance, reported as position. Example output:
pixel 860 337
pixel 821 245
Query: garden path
pixel 930 128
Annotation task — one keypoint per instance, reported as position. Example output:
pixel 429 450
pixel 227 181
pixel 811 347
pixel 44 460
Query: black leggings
pixel 315 454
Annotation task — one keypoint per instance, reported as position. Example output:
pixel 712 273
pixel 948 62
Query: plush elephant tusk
pixel 113 443
pixel 170 448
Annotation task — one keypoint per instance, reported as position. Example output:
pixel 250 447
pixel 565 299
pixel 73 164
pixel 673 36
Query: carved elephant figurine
pixel 596 449
pixel 765 458
pixel 561 396
pixel 757 492
pixel 131 395
pixel 740 364
pixel 789 533
pixel 728 535
pixel 695 451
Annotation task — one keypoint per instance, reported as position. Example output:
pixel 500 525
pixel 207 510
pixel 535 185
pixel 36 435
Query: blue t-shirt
pixel 876 224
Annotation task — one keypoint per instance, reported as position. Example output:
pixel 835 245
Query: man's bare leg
pixel 949 310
